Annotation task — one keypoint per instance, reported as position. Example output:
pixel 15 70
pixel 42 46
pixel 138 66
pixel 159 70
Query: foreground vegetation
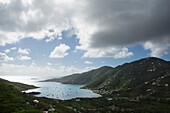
pixel 119 104
pixel 14 101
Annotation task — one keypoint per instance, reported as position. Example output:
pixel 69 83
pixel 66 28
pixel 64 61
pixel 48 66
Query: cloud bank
pixel 104 28
pixel 7 69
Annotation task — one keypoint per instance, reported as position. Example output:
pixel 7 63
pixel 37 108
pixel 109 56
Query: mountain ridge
pixel 18 86
pixel 123 77
pixel 82 78
pixel 141 70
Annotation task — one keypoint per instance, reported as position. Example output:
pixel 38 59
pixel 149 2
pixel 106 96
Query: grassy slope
pixel 125 76
pixel 18 86
pixel 130 75
pixel 83 78
pixel 157 91
pixel 13 101
pixel 118 105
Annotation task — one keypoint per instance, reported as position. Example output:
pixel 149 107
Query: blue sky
pixel 72 36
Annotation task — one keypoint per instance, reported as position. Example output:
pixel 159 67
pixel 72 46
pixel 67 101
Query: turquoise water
pixel 62 91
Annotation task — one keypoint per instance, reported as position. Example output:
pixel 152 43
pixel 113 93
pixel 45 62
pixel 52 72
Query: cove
pixel 61 91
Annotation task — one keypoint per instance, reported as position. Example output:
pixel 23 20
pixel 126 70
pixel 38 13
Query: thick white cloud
pixel 106 27
pixel 24 58
pixel 98 24
pixel 157 49
pixel 34 18
pixel 88 62
pixel 23 51
pixel 5 58
pixel 36 71
pixel 108 52
pixel 123 53
pixel 9 37
pixel 60 51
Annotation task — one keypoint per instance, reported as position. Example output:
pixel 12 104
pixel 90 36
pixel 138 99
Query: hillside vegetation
pixel 18 86
pixel 150 74
pixel 132 74
pixel 82 78
pixel 14 101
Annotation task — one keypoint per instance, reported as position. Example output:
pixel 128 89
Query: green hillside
pixel 130 75
pixel 82 78
pixel 125 78
pixel 157 88
pixel 14 101
pixel 18 86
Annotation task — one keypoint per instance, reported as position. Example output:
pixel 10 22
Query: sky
pixel 54 38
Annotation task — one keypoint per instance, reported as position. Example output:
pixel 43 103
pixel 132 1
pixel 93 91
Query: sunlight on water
pixel 62 91
pixel 53 89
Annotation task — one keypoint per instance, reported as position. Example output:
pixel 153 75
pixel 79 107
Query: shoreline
pixel 57 96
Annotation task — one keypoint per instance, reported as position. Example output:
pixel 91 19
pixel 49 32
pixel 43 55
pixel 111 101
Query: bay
pixel 54 90
pixel 62 91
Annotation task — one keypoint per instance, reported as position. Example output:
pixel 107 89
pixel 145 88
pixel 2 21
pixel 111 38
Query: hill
pixel 18 86
pixel 130 77
pixel 14 101
pixel 132 74
pixel 82 78
pixel 148 76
